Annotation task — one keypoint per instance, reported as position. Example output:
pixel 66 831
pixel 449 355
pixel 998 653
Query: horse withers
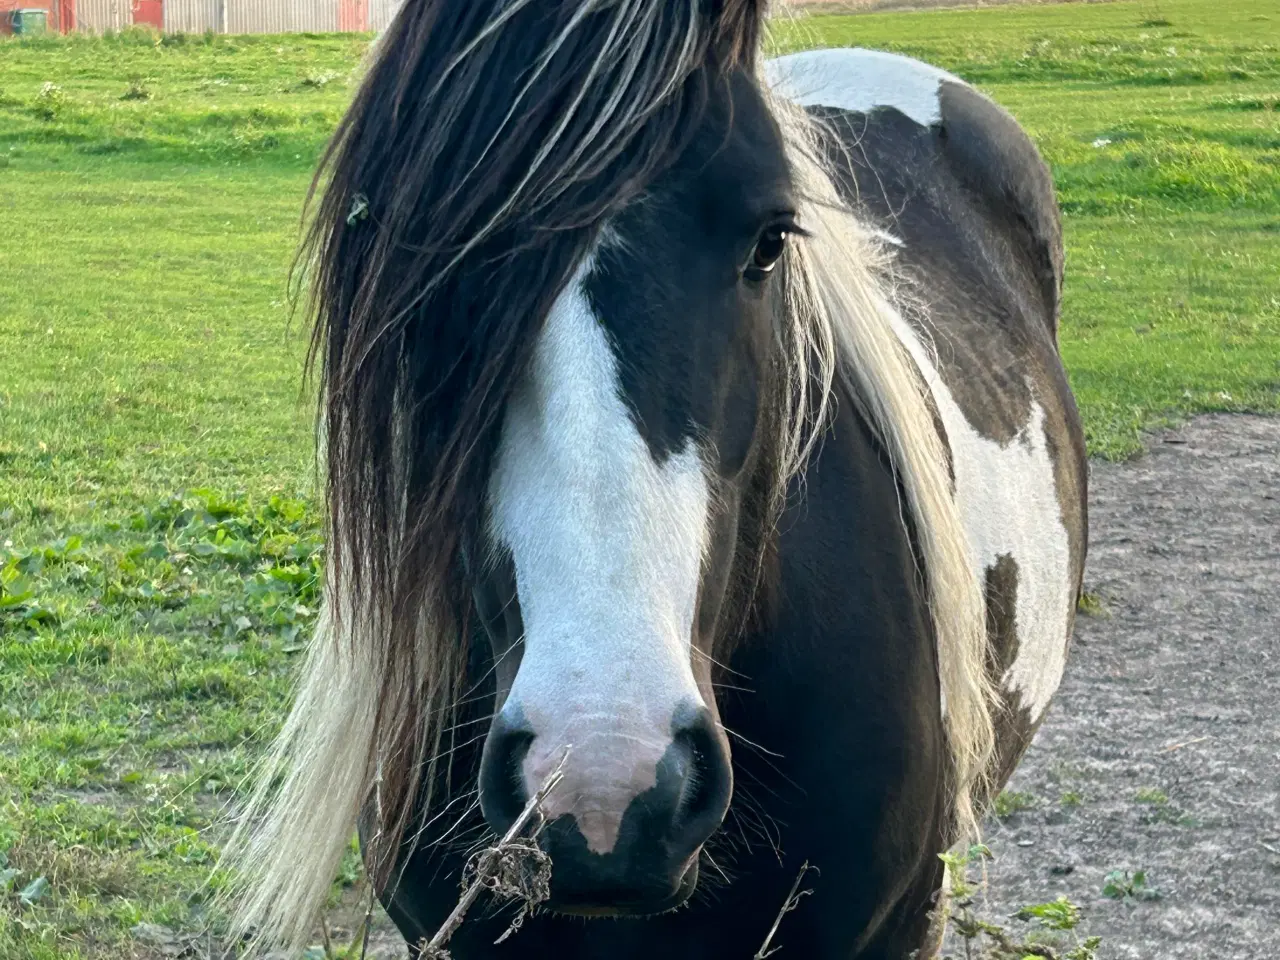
pixel 696 433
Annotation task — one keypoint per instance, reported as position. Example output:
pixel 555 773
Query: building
pixel 220 16
pixel 56 11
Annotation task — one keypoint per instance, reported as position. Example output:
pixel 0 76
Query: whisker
pixel 750 743
pixel 729 686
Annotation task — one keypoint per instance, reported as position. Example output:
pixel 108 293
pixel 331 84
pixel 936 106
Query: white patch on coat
pixel 1008 499
pixel 608 548
pixel 860 80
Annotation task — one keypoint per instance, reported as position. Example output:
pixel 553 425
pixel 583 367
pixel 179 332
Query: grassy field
pixel 158 540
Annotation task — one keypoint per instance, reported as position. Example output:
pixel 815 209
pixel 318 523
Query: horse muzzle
pixel 630 812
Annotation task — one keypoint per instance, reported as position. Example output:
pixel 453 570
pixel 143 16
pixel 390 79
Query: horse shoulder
pixel 993 157
pixel 983 146
pixel 1002 402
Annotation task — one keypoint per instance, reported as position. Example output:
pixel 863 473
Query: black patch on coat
pixel 991 155
pixel 1001 590
pixel 1014 725
pixel 693 339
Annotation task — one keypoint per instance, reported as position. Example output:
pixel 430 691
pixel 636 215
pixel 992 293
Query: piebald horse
pixel 694 426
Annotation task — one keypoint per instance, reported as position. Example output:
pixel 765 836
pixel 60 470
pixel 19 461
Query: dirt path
pixel 1165 737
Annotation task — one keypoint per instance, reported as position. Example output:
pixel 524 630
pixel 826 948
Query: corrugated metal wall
pixel 251 16
pixel 99 16
pixel 245 16
pixel 193 16
pixel 282 16
pixel 353 15
pixel 382 12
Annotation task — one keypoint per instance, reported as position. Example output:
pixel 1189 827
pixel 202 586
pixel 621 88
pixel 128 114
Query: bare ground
pixel 1162 750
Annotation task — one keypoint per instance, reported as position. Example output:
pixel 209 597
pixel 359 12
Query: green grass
pixel 147 633
pixel 1011 802
pixel 158 537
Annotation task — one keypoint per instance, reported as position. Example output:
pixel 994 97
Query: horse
pixel 696 441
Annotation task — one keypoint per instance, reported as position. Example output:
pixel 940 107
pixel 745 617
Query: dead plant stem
pixel 793 900
pixel 450 926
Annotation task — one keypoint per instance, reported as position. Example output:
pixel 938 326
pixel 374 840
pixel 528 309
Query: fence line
pixel 382 12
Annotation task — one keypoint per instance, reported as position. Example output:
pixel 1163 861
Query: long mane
pixel 842 283
pixel 485 149
pixel 488 143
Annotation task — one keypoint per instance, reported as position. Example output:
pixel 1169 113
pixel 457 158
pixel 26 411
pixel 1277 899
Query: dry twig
pixel 793 900
pixel 514 867
pixel 368 923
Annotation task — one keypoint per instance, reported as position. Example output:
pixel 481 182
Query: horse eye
pixel 768 251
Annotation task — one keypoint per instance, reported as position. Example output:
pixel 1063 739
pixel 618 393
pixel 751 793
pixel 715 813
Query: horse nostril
pixel 708 783
pixel 503 793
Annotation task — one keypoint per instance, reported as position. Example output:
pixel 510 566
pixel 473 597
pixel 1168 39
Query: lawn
pixel 158 535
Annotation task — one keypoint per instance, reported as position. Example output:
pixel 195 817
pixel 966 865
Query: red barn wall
pixel 51 6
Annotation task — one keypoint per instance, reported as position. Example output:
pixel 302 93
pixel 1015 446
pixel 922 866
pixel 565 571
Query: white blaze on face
pixel 608 548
